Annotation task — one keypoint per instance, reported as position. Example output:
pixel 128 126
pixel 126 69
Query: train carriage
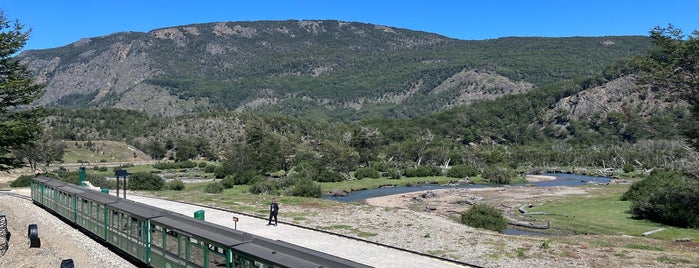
pixel 67 201
pixel 128 227
pixel 92 212
pixel 38 188
pixel 182 241
pixel 49 192
pixel 277 253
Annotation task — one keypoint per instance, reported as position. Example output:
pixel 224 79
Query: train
pixel 155 237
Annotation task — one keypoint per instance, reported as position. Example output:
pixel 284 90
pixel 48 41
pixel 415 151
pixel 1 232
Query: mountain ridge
pixel 318 69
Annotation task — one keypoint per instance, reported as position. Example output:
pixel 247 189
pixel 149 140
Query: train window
pixel 172 243
pixel 196 254
pixel 157 236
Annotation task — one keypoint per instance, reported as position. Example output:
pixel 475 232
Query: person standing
pixel 273 210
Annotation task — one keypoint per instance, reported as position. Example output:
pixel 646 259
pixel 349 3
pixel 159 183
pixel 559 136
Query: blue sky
pixel 57 23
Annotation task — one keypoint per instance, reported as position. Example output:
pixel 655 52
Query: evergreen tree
pixel 673 65
pixel 18 125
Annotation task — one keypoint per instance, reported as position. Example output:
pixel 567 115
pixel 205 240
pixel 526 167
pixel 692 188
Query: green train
pixel 154 237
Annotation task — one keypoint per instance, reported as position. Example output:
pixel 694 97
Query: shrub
pixel 362 173
pixel 214 188
pixel 462 171
pixel 228 181
pixel 394 173
pixel 176 185
pixel 22 181
pixel 667 197
pixel 329 176
pixel 265 186
pixel 202 164
pixel 145 181
pixel 498 174
pixel 99 181
pixel 485 217
pixel 628 168
pixel 423 171
pixel 306 188
pixel 210 168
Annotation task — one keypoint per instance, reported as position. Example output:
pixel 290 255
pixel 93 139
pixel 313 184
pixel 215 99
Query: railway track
pixel 21 196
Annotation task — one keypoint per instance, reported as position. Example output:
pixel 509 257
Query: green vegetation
pixel 145 181
pixel 666 197
pixel 602 212
pixel 19 126
pixel 483 216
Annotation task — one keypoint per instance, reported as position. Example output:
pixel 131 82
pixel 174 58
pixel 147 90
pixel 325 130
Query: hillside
pixel 315 69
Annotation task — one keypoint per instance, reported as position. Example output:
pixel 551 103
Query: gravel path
pixel 369 254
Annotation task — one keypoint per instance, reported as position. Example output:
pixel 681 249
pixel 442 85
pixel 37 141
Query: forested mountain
pixel 329 96
pixel 324 70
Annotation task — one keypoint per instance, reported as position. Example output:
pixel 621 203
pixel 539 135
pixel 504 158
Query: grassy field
pixel 101 151
pixel 603 213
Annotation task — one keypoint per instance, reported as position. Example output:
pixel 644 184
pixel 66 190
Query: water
pixel 561 180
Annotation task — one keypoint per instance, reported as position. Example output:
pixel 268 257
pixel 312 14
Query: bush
pixel 485 217
pixel 22 181
pixel 145 181
pixel 394 173
pixel 210 168
pixel 362 173
pixel 202 165
pixel 175 185
pixel 265 186
pixel 214 188
pixel 99 181
pixel 306 188
pixel 329 176
pixel 628 168
pixel 498 174
pixel 667 197
pixel 423 171
pixel 462 171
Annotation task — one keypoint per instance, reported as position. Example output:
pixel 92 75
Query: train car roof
pixel 290 255
pixel 138 209
pixel 54 182
pixel 72 188
pixel 99 197
pixel 41 179
pixel 203 230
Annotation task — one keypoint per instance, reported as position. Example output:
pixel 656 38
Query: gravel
pixel 59 241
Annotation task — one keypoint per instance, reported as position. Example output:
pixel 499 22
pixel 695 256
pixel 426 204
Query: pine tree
pixel 18 123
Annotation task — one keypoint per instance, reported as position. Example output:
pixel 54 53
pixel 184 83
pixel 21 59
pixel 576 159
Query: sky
pixel 56 23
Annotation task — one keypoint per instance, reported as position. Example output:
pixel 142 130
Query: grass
pixel 353 185
pixel 101 151
pixel 603 213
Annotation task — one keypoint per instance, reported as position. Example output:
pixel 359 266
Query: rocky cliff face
pixel 621 96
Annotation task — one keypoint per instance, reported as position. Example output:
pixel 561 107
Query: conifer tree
pixel 18 123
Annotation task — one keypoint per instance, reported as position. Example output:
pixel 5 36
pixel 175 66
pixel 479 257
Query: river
pixel 562 179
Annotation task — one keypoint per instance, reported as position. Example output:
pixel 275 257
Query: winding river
pixel 562 179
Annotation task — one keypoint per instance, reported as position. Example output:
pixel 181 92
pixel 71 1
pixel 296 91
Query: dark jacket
pixel 274 208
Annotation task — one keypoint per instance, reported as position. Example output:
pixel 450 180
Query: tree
pixel 18 125
pixel 673 65
pixel 42 152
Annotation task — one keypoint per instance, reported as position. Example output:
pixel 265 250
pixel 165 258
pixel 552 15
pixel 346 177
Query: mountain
pixel 325 70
